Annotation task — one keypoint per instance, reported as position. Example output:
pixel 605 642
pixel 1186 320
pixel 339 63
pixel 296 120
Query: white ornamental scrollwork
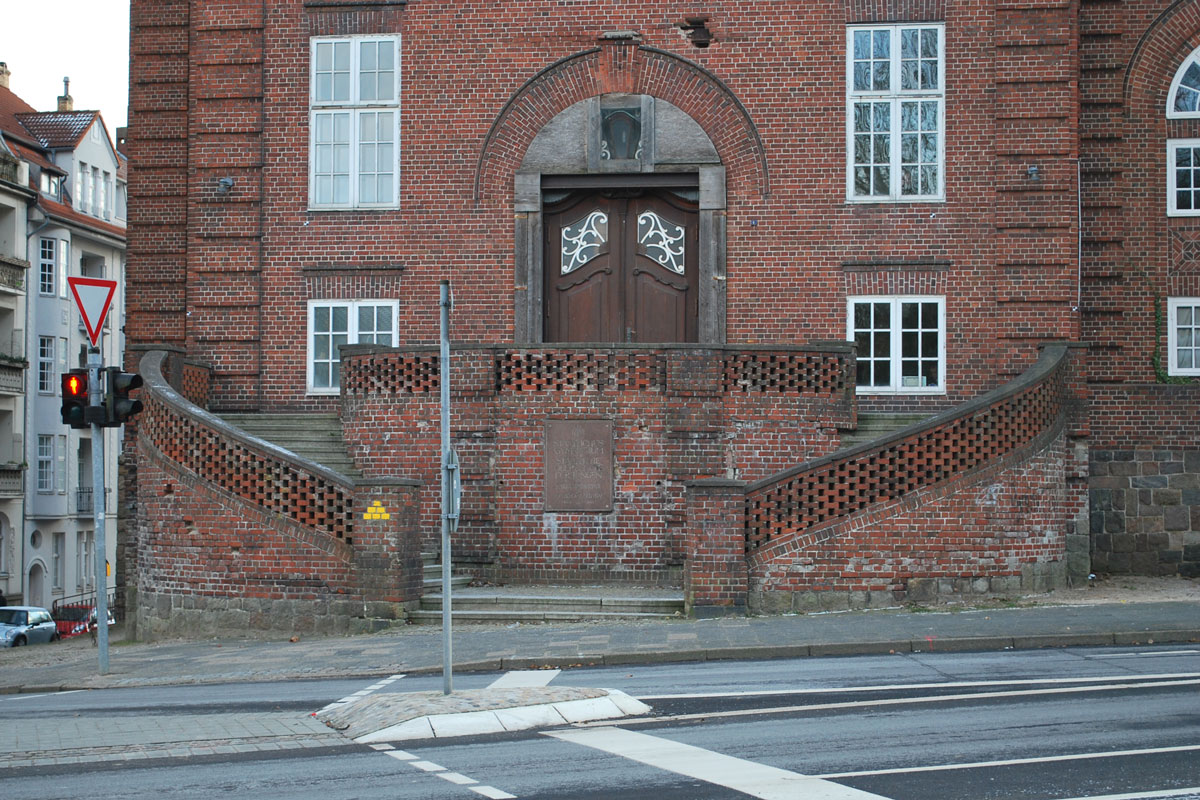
pixel 582 240
pixel 662 240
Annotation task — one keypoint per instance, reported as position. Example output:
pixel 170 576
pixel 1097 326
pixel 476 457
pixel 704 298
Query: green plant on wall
pixel 1160 370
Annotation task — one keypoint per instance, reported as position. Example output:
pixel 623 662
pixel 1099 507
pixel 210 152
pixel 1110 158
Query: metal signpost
pixel 451 485
pixel 107 406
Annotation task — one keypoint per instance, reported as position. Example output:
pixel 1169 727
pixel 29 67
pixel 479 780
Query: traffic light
pixel 119 407
pixel 75 398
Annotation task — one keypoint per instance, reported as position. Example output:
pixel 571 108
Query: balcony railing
pixel 12 273
pixel 12 479
pixel 9 168
pixel 12 376
pixel 83 500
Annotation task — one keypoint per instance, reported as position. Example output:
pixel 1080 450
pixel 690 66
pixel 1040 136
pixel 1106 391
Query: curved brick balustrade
pixel 977 499
pixel 231 523
pixel 920 456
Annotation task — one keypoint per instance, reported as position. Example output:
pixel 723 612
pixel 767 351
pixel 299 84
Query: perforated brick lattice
pixel 392 373
pixel 254 476
pixel 784 373
pixel 552 371
pixel 849 485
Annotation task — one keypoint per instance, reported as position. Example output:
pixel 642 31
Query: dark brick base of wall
pixel 1145 511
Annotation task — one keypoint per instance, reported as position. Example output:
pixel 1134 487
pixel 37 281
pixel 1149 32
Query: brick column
pixel 387 544
pixel 715 578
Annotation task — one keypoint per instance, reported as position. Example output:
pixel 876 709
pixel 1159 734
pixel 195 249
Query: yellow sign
pixel 376 511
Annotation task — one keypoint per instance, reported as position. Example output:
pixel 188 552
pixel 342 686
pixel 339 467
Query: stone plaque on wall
pixel 579 465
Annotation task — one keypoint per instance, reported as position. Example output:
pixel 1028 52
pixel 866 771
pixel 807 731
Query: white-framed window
pixel 83 185
pixel 64 260
pixel 60 464
pixel 105 194
pixel 1183 177
pixel 59 555
pixel 895 112
pixel 46 365
pixel 51 185
pixel 86 565
pixel 97 193
pixel 354 122
pixel 1183 336
pixel 900 343
pixel 45 463
pixel 47 266
pixel 80 171
pixel 333 323
pixel 1183 100
pixel 120 200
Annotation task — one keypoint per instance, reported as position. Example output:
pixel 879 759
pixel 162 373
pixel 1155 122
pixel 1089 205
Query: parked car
pixel 21 625
pixel 76 618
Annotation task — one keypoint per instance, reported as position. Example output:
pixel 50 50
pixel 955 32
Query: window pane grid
pixel 898 343
pixel 334 324
pixel 353 157
pixel 1186 332
pixel 896 113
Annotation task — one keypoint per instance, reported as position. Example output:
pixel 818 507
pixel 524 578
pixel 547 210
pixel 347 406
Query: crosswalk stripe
pixel 748 777
pixel 521 678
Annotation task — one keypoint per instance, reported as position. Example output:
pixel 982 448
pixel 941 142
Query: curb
pixel 953 644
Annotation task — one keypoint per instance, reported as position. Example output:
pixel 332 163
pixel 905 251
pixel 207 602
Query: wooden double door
pixel 621 266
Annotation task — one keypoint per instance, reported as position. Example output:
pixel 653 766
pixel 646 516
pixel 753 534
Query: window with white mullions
pixel 46 362
pixel 333 323
pixel 900 343
pixel 895 110
pixel 1183 336
pixel 354 123
pixel 1183 177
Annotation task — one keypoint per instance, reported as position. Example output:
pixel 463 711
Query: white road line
pixel 520 678
pixel 891 687
pixel 494 794
pixel 401 755
pixel 360 694
pixel 1162 793
pixel 748 777
pixel 1148 655
pixel 1012 762
pixel 454 777
pixel 427 766
pixel 894 701
pixel 45 694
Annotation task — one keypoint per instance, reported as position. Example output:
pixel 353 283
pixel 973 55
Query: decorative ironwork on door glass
pixel 662 240
pixel 582 240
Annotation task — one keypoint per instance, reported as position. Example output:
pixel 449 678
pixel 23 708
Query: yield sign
pixel 93 296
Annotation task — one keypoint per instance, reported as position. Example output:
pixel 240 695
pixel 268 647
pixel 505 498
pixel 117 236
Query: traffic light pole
pixel 96 398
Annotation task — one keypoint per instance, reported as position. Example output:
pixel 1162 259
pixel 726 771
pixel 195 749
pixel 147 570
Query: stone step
pixel 434 584
pixel 482 605
pixel 423 617
pixel 877 426
pixel 316 437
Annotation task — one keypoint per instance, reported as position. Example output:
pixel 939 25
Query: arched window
pixel 1184 98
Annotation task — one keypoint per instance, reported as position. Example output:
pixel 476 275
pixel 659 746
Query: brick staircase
pixel 878 425
pixel 316 437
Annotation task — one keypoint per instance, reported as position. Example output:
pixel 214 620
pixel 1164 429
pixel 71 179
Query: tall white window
pixel 97 192
pixel 84 184
pixel 78 198
pixel 47 266
pixel 1183 177
pixel 87 565
pixel 105 193
pixel 64 260
pixel 895 113
pixel 900 343
pixel 46 365
pixel 120 200
pixel 354 122
pixel 1183 336
pixel 59 554
pixel 45 463
pixel 332 324
pixel 60 464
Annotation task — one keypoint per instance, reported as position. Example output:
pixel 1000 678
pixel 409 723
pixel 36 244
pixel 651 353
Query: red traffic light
pixel 76 385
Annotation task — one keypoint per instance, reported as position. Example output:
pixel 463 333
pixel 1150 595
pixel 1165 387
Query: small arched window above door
pixel 1183 101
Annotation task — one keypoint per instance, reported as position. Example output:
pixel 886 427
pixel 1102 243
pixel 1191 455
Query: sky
pixel 43 41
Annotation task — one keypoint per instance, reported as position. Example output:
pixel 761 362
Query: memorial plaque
pixel 579 465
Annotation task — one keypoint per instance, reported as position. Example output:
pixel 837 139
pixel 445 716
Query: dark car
pixel 22 625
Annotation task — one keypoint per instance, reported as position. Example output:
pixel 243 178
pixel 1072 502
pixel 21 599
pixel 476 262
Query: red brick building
pixel 665 225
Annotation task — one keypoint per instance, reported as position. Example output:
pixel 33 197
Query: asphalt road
pixel 1043 725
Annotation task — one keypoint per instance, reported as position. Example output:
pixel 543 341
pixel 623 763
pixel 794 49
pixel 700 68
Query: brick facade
pixel 1051 229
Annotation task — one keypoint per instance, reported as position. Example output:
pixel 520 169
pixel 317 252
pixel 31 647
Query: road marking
pixel 359 695
pixel 428 766
pixel 44 694
pixel 521 678
pixel 494 794
pixel 1012 762
pixel 1162 793
pixel 893 701
pixel 454 777
pixel 1149 654
pixel 401 755
pixel 891 687
pixel 748 777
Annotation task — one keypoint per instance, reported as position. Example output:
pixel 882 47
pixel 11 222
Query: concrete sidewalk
pixel 417 649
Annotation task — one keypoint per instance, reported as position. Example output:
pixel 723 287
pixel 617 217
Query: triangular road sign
pixel 93 296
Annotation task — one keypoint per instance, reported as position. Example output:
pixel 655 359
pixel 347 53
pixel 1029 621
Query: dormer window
pixel 51 185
